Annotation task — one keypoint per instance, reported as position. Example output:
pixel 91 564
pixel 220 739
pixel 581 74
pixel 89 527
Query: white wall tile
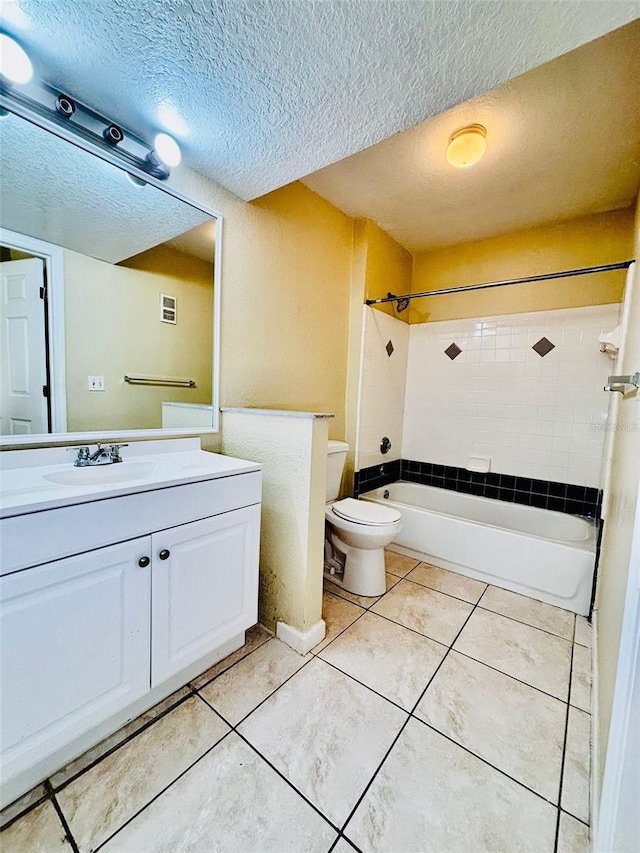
pixel 382 387
pixel 534 416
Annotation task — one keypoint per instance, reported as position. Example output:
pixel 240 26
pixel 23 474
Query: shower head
pixel 401 302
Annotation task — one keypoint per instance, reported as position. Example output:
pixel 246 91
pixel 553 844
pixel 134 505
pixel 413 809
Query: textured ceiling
pixel 563 141
pixel 261 92
pixel 56 192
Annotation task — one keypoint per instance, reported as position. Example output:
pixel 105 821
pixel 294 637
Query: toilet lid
pixel 365 512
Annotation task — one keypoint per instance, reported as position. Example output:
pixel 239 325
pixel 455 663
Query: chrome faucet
pixel 101 456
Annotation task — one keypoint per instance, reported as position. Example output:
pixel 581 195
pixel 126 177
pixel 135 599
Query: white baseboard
pixel 301 642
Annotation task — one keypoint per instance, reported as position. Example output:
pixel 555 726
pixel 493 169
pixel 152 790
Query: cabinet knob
pixel 164 554
pixel 143 562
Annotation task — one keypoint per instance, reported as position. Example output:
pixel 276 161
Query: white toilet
pixel 357 533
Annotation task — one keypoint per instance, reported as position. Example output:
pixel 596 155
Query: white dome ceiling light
pixel 467 146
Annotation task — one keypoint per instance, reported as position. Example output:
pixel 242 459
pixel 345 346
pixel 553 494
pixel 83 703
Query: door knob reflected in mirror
pixel 164 554
pixel 143 562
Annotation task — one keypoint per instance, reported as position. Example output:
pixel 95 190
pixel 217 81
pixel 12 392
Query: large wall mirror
pixel 109 297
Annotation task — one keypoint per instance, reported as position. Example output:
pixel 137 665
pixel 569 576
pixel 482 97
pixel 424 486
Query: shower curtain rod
pixel 623 265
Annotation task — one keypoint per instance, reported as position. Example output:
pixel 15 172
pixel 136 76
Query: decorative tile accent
pixel 453 351
pixel 543 347
pixel 389 349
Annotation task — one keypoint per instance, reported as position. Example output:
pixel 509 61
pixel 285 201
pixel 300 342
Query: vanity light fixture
pixel 15 65
pixel 167 149
pixel 466 146
pixel 67 117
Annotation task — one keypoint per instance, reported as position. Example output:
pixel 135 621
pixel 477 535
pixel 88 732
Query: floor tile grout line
pixel 262 701
pixel 442 592
pixel 513 677
pixel 366 686
pixel 64 822
pixel 403 727
pixel 289 782
pixel 575 817
pixel 128 739
pixel 192 692
pixel 27 809
pixel 486 761
pixel 235 663
pixel 333 639
pixel 564 753
pixel 414 630
pixel 342 837
pixel 528 624
pixel 161 792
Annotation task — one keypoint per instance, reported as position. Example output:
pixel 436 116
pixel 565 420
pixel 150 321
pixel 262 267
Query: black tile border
pixel 376 476
pixel 544 494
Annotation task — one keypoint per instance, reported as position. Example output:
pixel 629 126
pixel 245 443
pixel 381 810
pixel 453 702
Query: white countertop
pixel 279 413
pixel 27 477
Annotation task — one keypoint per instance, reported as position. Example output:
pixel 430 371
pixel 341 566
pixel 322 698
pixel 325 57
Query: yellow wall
pixel 378 265
pixel 388 268
pixel 285 291
pixel 588 241
pixel 113 328
pixel 618 529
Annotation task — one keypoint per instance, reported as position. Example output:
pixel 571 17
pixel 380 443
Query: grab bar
pixel 174 381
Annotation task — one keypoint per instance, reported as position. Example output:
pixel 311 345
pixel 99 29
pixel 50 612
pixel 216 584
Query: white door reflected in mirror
pixel 23 371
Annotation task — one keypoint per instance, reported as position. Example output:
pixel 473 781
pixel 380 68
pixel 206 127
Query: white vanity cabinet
pixel 203 588
pixel 110 603
pixel 75 648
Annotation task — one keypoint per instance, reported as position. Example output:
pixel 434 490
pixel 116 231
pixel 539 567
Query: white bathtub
pixel 543 554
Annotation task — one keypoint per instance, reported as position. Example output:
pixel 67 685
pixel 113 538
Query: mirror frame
pixel 54 262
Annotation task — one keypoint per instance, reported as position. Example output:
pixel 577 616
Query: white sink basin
pixel 119 472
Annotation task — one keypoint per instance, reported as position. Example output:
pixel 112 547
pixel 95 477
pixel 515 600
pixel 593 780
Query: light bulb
pixel 467 146
pixel 167 149
pixel 15 65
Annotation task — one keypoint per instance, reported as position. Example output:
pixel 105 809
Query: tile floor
pixel 444 716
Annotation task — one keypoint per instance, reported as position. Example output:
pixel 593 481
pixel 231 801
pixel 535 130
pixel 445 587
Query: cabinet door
pixel 204 588
pixel 75 648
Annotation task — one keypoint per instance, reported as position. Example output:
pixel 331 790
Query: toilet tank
pixel 336 457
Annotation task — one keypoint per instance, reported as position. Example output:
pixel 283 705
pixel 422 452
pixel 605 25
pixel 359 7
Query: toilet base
pixel 364 572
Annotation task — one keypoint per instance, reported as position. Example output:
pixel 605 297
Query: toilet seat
pixel 365 512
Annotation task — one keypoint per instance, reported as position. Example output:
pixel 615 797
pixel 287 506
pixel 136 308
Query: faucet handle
pixel 82 458
pixel 114 452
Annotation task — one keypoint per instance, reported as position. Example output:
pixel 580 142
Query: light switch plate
pixel 95 383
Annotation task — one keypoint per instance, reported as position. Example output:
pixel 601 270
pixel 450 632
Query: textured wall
pixel 588 241
pixel 113 328
pixel 620 513
pixel 293 452
pixel 533 416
